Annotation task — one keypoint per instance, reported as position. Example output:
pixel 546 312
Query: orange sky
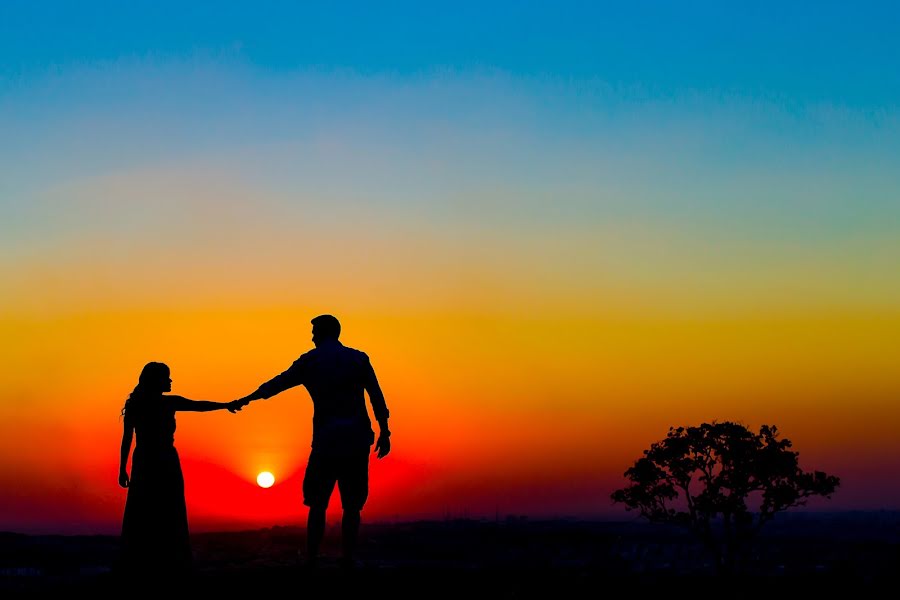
pixel 513 413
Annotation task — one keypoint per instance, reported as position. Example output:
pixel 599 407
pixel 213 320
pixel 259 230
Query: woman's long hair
pixel 149 383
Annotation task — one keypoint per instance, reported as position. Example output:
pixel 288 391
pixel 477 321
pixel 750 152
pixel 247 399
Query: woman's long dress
pixel 155 535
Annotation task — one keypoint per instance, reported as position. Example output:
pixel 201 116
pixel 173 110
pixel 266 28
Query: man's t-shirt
pixel 336 377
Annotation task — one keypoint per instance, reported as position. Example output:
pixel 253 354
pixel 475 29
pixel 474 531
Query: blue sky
pixel 764 128
pixel 838 52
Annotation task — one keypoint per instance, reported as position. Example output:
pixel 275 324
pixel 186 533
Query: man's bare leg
pixel 349 533
pixel 315 531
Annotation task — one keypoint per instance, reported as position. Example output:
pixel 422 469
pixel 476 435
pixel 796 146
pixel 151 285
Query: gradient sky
pixel 557 229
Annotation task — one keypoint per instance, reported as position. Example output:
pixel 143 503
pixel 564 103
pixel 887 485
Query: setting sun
pixel 265 479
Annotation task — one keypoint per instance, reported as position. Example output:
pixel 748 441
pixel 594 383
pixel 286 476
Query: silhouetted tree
pixel 702 478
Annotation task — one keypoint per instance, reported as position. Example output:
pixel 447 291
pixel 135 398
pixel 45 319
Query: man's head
pixel 325 327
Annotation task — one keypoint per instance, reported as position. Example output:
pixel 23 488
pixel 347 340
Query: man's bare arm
pixel 380 409
pixel 292 377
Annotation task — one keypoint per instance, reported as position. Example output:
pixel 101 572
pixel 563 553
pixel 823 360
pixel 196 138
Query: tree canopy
pixel 721 480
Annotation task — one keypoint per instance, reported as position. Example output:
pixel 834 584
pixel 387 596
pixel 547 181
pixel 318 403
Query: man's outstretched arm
pixel 292 377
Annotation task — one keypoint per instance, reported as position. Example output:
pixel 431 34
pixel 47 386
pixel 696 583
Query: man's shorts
pixel 348 468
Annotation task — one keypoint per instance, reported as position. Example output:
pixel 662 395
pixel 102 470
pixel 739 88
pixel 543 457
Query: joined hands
pixel 236 405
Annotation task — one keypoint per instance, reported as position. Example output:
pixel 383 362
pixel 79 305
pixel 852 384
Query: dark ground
pixel 800 554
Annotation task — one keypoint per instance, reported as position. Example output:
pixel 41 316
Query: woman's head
pixel 154 380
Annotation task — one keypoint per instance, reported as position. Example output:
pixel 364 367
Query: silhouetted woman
pixel 155 528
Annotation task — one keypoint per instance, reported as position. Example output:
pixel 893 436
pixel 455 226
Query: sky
pixel 557 229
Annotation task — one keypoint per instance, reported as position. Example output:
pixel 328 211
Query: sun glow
pixel 265 479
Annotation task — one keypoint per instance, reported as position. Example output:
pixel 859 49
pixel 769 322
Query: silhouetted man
pixel 335 377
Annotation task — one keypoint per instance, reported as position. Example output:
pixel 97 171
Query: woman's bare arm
pixel 127 436
pixel 180 403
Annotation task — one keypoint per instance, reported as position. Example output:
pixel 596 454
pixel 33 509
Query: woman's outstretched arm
pixel 127 436
pixel 180 403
